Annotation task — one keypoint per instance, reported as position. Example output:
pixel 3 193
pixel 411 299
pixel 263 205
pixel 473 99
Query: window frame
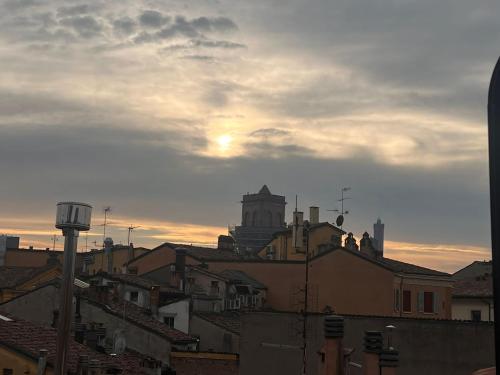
pixel 403 307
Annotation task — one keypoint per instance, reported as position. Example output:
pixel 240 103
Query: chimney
pixel 3 249
pixel 130 251
pixel 53 259
pixel 83 365
pixel 108 250
pixel 350 242
pixel 389 361
pixel 378 234
pixel 154 299
pixel 225 243
pixel 298 230
pixel 313 215
pixel 180 266
pixel 373 347
pixel 94 367
pixel 332 351
pixel 55 318
pixel 366 246
pixel 42 362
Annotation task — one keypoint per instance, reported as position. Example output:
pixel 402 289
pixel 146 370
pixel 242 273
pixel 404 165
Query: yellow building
pixel 284 247
pixel 18 280
pixel 113 262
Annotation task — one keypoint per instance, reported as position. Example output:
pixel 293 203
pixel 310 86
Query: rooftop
pixel 479 286
pixel 140 282
pixel 11 277
pixel 143 318
pixel 237 276
pixel 28 339
pixel 230 321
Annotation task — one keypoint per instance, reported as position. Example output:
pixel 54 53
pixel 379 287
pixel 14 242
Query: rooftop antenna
pixel 295 220
pixel 54 239
pixel 107 210
pixel 342 212
pixel 130 229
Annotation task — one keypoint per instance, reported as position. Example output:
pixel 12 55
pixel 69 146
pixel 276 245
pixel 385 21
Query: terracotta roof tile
pixel 143 318
pixel 480 286
pixel 29 338
pixel 10 277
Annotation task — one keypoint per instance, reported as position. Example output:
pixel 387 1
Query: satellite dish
pixel 119 342
pixel 340 220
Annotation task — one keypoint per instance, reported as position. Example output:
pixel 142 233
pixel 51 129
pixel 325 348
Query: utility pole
pixel 306 303
pixel 494 157
pixel 71 218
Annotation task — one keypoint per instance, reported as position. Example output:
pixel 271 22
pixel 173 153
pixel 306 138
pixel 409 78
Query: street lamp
pixel 71 218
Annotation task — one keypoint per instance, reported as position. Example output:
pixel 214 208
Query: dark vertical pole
pixel 306 303
pixel 66 301
pixel 494 154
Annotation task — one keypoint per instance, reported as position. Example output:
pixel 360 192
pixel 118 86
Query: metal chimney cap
pixel 73 215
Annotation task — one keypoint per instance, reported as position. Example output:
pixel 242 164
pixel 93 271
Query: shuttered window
pixel 406 301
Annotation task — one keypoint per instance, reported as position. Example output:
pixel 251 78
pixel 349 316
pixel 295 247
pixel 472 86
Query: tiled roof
pixel 409 268
pixel 10 277
pixel 476 268
pixel 230 321
pixel 143 318
pixel 480 286
pixel 141 282
pixel 392 265
pixel 29 338
pixel 206 253
pixel 238 276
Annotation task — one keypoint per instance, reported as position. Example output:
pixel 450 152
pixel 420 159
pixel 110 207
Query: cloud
pixel 124 25
pixel 85 26
pixel 194 28
pixel 153 19
pixel 72 10
pixel 269 132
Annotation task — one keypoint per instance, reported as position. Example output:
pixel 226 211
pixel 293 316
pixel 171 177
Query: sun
pixel 224 142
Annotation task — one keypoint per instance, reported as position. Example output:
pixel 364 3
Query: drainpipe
pixel 42 362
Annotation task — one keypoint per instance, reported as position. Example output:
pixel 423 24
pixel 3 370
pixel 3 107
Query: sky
pixel 168 111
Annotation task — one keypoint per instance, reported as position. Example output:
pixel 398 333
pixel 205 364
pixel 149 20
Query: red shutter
pixel 407 300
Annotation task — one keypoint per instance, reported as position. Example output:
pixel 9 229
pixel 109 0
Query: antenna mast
pixel 340 218
pixel 130 229
pixel 54 239
pixel 106 210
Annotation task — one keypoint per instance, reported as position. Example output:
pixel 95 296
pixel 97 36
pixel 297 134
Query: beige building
pixel 473 299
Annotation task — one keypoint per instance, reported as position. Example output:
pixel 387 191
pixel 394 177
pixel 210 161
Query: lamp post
pixel 71 218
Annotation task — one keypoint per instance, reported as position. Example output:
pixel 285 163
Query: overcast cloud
pixel 168 111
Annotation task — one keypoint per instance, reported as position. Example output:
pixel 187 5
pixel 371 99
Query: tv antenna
pixel 106 210
pixel 54 238
pixel 130 229
pixel 341 212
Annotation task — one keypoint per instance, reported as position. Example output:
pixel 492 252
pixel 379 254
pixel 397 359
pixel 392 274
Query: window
pixel 169 321
pixel 8 371
pixel 214 288
pixel 406 301
pixel 134 296
pixel 428 302
pixel 475 315
pixel 396 299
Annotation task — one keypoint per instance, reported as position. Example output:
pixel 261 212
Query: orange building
pixel 98 260
pixel 282 246
pixel 340 280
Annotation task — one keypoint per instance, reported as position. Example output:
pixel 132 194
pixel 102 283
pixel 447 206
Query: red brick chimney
pixel 389 361
pixel 373 347
pixel 154 299
pixel 332 351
